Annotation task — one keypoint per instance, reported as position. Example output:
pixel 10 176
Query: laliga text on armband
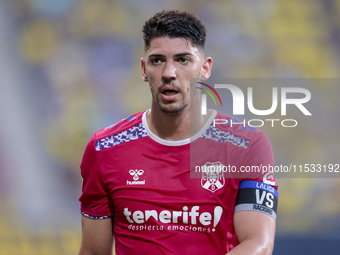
pixel 239 102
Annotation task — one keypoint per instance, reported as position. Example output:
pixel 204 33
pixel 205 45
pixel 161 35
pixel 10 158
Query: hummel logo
pixel 136 173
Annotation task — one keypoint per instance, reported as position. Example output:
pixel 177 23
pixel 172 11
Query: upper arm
pixel 97 233
pixel 97 236
pixel 254 218
pixel 255 227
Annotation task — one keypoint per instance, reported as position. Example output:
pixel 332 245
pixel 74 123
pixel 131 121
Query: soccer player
pixel 158 181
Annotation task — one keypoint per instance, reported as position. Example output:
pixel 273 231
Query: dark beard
pixel 168 109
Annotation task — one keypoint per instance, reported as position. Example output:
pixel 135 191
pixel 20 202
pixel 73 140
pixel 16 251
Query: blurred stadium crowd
pixel 70 67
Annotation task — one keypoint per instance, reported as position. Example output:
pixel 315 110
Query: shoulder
pixel 124 130
pixel 236 126
pixel 119 126
pixel 224 128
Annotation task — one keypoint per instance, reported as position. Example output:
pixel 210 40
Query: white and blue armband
pixel 257 196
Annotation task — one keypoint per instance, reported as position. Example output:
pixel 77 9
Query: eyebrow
pixel 156 56
pixel 183 54
pixel 176 55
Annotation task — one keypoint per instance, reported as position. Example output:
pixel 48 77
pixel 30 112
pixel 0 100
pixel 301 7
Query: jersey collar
pixel 180 142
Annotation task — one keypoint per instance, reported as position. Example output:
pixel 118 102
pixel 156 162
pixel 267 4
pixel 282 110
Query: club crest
pixel 212 176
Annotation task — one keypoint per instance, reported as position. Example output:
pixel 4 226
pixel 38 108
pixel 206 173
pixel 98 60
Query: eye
pixel 156 61
pixel 183 60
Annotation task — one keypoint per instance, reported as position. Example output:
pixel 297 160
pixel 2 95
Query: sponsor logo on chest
pixel 189 219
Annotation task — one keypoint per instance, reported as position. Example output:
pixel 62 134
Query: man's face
pixel 169 65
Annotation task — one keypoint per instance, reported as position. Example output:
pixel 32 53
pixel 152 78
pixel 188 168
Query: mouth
pixel 169 93
pixel 169 90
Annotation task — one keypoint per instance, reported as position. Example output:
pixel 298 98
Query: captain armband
pixel 257 196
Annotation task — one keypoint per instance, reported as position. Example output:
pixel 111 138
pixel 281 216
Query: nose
pixel 169 71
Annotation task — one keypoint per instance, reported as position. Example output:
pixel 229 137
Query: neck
pixel 175 127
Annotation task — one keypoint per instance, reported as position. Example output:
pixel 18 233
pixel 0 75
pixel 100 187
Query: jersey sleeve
pixel 95 202
pixel 258 163
pixel 257 190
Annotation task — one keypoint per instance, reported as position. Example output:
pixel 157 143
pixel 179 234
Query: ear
pixel 144 75
pixel 206 68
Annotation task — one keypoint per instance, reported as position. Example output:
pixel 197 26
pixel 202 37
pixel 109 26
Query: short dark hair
pixel 174 24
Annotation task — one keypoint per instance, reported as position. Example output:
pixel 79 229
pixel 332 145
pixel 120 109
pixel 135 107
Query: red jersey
pixel 168 197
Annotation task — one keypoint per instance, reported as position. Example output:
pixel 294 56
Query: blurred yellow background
pixel 70 67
